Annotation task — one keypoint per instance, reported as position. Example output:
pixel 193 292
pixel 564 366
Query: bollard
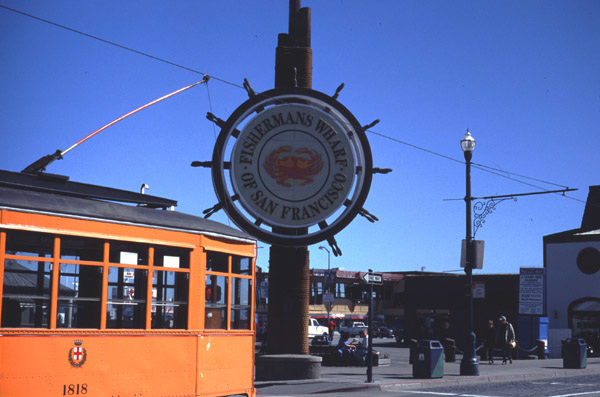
pixel 483 356
pixel 483 353
pixel 413 350
pixel 450 350
pixel 541 349
pixel 516 351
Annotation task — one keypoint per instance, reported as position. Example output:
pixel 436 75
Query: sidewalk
pixel 398 375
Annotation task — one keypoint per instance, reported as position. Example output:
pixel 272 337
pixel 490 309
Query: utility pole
pixel 289 274
pixel 370 326
pixel 469 364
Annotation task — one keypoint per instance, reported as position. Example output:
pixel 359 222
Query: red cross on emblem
pixel 77 353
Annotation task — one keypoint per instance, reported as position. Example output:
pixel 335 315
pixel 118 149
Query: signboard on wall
pixel 531 291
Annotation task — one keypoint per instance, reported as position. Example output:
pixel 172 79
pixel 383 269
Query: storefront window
pixel 584 318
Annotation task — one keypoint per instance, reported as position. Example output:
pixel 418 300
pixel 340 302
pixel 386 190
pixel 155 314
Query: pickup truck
pixel 315 329
pixel 355 328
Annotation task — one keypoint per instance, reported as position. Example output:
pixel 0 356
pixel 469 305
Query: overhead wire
pixel 118 45
pixel 482 167
pixel 210 107
pixel 513 173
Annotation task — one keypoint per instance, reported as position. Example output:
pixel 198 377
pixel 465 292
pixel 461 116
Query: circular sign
pixel 292 166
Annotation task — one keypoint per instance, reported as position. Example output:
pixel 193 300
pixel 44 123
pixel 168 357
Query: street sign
pixel 373 278
pixel 328 297
pixel 477 254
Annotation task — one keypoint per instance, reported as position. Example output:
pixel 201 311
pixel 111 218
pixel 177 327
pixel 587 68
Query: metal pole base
pixel 469 366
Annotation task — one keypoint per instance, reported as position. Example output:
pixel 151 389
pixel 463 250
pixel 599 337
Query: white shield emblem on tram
pixel 77 354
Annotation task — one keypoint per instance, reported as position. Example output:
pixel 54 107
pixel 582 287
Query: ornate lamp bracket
pixel 481 209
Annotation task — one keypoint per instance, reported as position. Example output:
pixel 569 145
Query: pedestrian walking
pixel 489 341
pixel 331 327
pixel 506 339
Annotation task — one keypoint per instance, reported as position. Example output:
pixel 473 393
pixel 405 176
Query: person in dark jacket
pixel 506 336
pixel 489 341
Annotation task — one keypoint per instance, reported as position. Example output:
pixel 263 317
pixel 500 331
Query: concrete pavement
pixel 398 375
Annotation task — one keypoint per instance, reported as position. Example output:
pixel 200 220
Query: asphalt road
pixel 557 387
pixel 588 386
pixel 394 377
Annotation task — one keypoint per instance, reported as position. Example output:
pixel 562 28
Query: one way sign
pixel 373 278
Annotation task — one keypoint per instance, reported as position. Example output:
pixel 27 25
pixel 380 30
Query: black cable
pixel 522 176
pixel 117 45
pixel 479 166
pixel 415 146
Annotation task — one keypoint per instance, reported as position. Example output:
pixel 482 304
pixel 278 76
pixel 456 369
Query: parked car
pixel 314 328
pixel 355 328
pixel 383 332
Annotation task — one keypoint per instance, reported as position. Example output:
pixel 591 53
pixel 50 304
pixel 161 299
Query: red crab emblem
pixel 300 164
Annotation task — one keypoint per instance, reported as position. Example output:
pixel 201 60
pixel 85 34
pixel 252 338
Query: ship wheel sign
pixel 290 160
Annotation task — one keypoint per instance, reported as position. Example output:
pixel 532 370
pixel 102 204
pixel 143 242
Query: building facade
pixel 572 263
pixel 417 305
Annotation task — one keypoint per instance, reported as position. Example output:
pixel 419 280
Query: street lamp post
pixel 469 364
pixel 327 282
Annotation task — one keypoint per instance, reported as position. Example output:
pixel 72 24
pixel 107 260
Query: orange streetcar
pixel 107 299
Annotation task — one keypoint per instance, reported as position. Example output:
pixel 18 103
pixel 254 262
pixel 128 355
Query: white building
pixel 572 263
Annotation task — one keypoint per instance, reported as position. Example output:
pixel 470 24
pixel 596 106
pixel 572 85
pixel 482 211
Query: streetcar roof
pixel 29 199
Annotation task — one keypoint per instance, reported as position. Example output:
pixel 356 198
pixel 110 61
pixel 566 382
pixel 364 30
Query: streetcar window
pixel 172 257
pixel 80 248
pixel 126 306
pixel 79 294
pixel 29 244
pixel 26 293
pixel 216 302
pixel 241 296
pixel 170 300
pixel 217 262
pixel 128 253
pixel 241 265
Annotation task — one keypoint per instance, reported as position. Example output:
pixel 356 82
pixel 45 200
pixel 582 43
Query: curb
pixel 432 383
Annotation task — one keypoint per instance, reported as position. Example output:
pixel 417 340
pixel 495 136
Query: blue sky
pixel 522 76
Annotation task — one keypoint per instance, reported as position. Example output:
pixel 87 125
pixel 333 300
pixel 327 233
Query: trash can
pixel 429 359
pixel 450 350
pixel 574 353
